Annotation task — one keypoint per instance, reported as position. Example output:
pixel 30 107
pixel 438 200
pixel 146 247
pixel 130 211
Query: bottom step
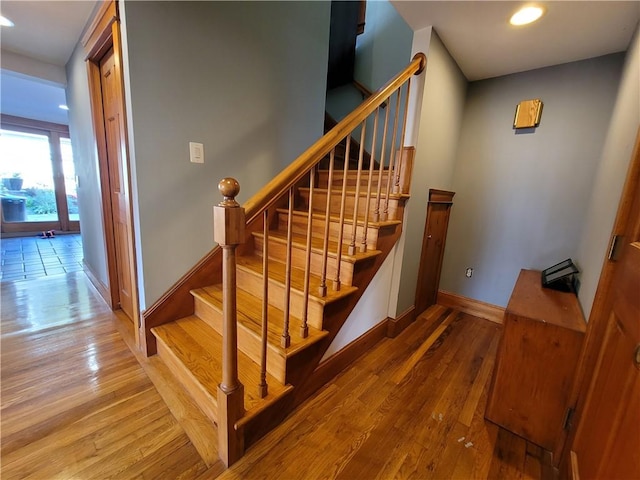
pixel 193 352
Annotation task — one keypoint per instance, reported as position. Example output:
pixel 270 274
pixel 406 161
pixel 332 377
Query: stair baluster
pixel 285 341
pixel 354 227
pixel 397 188
pixel 343 200
pixel 263 387
pixel 304 329
pixel 191 345
pixel 322 289
pixel 228 231
pixel 376 213
pixel 363 244
pixel 392 158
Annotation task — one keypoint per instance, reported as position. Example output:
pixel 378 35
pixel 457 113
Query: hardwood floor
pixel 396 414
pixel 77 403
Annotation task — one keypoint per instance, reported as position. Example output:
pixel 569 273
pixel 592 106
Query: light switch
pixel 196 152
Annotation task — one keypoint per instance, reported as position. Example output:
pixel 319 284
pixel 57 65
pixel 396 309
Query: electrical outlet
pixel 469 272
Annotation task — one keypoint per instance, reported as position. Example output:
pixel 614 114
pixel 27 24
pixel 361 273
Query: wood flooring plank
pixel 75 401
pixel 508 456
pixel 367 426
pixel 417 355
pixel 471 403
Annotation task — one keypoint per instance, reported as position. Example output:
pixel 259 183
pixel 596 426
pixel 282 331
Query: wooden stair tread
pixel 249 310
pixel 253 263
pixel 352 192
pixel 317 245
pixel 199 348
pixel 334 218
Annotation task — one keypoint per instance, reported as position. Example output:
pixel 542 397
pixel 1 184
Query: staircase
pixel 244 331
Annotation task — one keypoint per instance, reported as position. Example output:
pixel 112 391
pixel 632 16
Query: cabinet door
pixel 433 242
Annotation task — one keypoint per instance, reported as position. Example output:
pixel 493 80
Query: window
pixel 38 187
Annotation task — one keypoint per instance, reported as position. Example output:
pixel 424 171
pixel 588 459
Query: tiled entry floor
pixel 25 258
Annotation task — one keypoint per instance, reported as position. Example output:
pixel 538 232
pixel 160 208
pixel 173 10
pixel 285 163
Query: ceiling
pixel 484 44
pixel 476 33
pixel 46 31
pixel 27 97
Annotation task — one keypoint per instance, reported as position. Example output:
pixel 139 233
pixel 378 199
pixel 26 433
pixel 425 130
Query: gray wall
pixel 246 79
pixel 440 120
pixel 85 157
pixel 385 46
pixel 382 51
pixel 522 198
pixel 610 176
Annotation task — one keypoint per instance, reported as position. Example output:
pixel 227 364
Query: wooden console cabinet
pixel 541 340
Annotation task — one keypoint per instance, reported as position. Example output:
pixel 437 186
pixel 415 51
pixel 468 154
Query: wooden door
pixel 607 438
pixel 118 179
pixel 433 243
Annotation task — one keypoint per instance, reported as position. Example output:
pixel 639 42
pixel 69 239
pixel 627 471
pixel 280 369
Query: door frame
pixel 102 35
pixel 54 132
pixel 598 320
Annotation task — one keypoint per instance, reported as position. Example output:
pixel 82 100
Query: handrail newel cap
pixel 229 189
pixel 423 62
pixel 228 215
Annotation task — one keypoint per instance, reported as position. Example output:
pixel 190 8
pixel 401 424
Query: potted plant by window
pixel 13 183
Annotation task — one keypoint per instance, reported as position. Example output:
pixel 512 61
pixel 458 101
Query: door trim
pixel 103 34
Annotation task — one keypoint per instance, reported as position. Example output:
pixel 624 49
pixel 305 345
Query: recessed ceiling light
pixel 5 22
pixel 526 15
pixel 63 107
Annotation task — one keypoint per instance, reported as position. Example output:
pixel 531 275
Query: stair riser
pixel 207 403
pixel 299 226
pixel 248 343
pixel 320 204
pixel 252 283
pixel 278 251
pixel 352 179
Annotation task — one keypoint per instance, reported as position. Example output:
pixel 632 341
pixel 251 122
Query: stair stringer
pixel 303 375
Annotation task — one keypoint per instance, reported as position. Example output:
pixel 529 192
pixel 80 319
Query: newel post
pixel 228 232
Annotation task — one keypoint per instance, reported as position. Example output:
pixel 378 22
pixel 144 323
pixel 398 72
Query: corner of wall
pixel 434 125
pixel 142 304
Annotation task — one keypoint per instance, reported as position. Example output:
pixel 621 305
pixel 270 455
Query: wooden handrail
pixel 292 174
pixel 232 225
pixel 366 93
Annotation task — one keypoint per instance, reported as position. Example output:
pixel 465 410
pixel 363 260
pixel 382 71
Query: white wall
pixel 47 72
pixel 370 310
pixel 440 119
pixel 85 157
pixel 246 79
pixel 521 198
pixel 610 176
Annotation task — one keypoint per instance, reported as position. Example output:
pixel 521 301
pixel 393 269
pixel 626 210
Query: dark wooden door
pixel 433 243
pixel 607 438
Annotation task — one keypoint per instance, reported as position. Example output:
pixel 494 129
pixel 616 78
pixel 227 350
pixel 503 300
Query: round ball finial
pixel 229 188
